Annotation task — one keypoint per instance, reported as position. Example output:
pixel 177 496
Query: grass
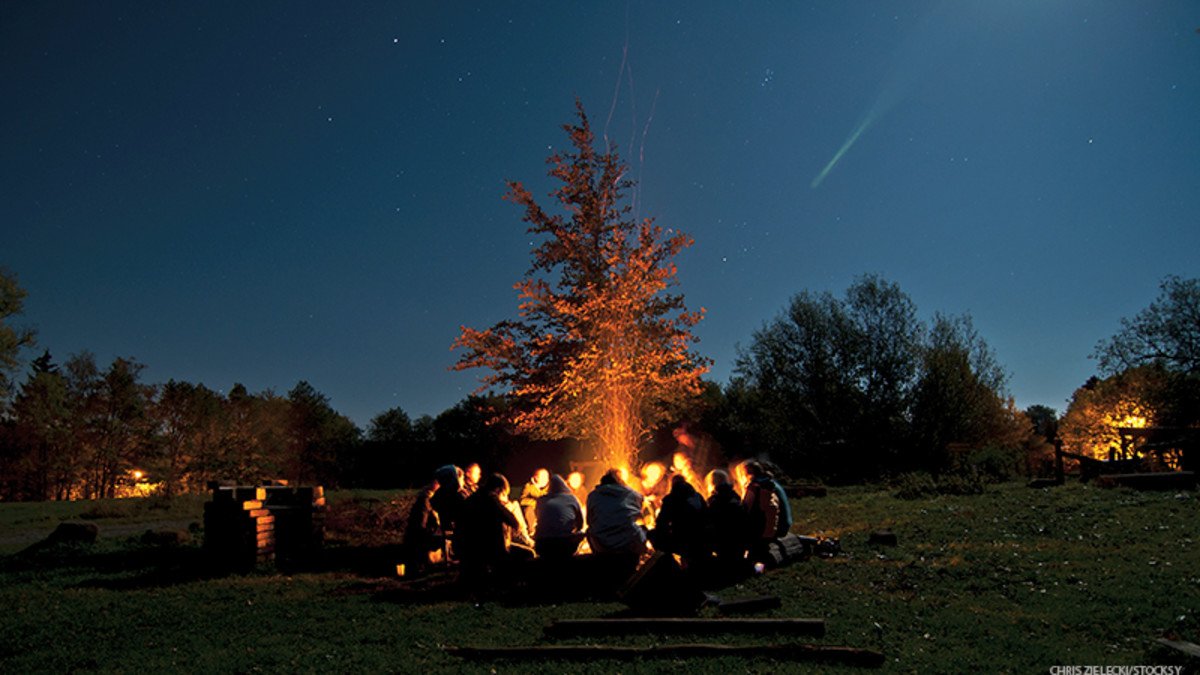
pixel 1014 580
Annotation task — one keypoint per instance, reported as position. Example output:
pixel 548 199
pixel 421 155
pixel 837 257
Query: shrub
pixel 993 464
pixel 915 486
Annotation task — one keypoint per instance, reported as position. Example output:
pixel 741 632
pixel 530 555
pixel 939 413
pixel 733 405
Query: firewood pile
pixel 248 525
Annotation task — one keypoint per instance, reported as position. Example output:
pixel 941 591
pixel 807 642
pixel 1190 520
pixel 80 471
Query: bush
pixel 967 482
pixel 919 485
pixel 915 486
pixel 992 463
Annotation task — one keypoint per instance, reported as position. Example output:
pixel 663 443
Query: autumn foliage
pixel 601 350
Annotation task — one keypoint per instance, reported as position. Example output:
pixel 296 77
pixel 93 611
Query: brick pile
pixel 245 526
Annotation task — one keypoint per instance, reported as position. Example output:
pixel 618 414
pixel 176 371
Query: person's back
pixel 767 504
pixel 421 529
pixel 726 522
pixel 559 519
pixel 484 526
pixel 680 523
pixel 612 513
pixel 450 496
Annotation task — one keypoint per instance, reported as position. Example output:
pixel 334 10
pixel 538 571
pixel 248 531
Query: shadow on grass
pixel 123 566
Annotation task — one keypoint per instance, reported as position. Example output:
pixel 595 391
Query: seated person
pixel 450 496
pixel 472 476
pixel 767 507
pixel 680 525
pixel 560 521
pixel 483 540
pixel 726 523
pixel 536 488
pixel 422 532
pixel 612 513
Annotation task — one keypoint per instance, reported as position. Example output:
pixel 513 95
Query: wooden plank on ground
pixel 774 652
pixel 760 603
pixel 1189 648
pixel 672 625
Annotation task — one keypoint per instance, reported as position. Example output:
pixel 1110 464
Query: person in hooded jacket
pixel 450 496
pixel 767 507
pixel 726 524
pixel 559 521
pixel 680 525
pixel 613 510
pixel 486 528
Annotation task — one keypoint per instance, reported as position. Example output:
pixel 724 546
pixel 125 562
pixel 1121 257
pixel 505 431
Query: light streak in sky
pixel 858 131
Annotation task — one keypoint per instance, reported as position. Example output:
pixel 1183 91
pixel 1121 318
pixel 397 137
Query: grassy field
pixel 1014 580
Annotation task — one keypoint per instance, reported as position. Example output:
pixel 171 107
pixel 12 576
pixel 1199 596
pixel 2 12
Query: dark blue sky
pixel 268 192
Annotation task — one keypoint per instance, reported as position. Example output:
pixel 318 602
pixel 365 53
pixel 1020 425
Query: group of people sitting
pixel 489 532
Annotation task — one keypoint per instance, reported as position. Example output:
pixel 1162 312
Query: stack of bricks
pixel 239 531
pixel 244 526
pixel 299 522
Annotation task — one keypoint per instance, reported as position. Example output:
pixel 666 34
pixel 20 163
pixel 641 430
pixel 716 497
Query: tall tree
pixel 960 396
pixel 1131 398
pixel 40 414
pixel 1044 420
pixel 320 437
pixel 601 351
pixel 831 375
pixel 190 422
pixel 1166 332
pixel 110 429
pixel 12 339
pixel 390 426
pixel 255 438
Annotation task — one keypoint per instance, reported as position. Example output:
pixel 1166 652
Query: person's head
pixel 575 480
pixel 611 477
pixel 496 484
pixel 754 469
pixel 716 478
pixel 474 473
pixel 449 476
pixel 680 484
pixel 557 485
pixel 541 478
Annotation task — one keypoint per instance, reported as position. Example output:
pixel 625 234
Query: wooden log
pixel 661 587
pixel 663 626
pixel 252 505
pixel 774 652
pixel 1189 648
pixel 1166 480
pixel 760 603
pixel 882 538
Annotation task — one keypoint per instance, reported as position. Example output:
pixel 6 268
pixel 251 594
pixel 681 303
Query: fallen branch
pixel 798 652
pixel 590 627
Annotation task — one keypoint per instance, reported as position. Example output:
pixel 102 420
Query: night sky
pixel 269 192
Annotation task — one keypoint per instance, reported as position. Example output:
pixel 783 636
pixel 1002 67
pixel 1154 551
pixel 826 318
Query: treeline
pixel 79 431
pixel 858 387
pixel 835 388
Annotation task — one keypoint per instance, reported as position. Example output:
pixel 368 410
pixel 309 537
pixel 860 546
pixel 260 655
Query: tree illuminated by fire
pixel 1100 408
pixel 601 350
